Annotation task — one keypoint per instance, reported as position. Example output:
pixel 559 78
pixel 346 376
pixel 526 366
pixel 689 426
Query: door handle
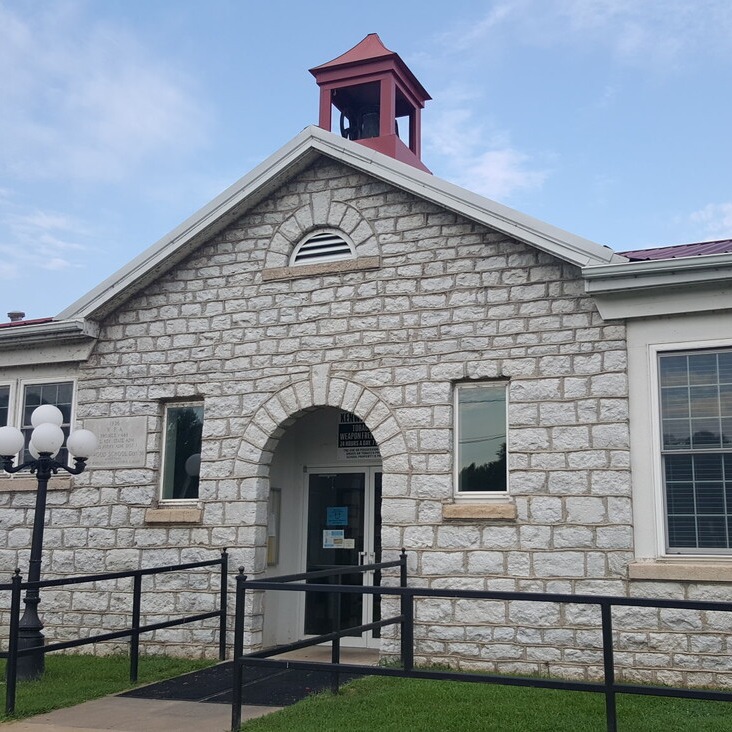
pixel 366 558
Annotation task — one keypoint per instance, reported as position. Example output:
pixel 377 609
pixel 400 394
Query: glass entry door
pixel 341 531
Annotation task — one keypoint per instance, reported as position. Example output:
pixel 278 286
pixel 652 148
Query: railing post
pixel 223 608
pixel 11 669
pixel 135 630
pixel 236 699
pixel 335 649
pixel 609 664
pixel 407 612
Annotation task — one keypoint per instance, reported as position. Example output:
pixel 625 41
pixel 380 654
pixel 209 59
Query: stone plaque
pixel 122 442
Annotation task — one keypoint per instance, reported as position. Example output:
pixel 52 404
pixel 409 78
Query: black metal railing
pixel 287 582
pixel 133 631
pixel 405 620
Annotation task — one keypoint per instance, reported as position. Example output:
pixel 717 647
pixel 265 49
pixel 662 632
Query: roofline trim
pixel 657 273
pixel 58 330
pixel 249 189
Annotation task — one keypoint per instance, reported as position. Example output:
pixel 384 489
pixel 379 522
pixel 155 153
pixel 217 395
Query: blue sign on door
pixel 337 516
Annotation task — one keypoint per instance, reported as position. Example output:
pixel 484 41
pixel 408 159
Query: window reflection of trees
pixel 184 431
pixel 489 476
pixel 698 439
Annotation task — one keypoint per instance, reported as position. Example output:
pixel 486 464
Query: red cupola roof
pixel 372 88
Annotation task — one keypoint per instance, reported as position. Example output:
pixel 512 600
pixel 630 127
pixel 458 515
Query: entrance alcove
pixel 324 511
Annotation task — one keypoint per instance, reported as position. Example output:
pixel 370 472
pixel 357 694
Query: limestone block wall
pixel 431 299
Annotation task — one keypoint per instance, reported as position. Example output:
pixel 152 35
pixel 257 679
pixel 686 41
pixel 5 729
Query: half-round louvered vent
pixel 322 246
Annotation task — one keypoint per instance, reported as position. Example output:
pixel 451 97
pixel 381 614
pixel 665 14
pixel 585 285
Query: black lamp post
pixel 46 440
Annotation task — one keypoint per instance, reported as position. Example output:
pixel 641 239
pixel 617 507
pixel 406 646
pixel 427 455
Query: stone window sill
pixel 678 571
pixel 308 270
pixel 30 483
pixel 493 511
pixel 177 515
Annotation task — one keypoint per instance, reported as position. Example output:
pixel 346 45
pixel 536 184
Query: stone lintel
pixel 30 483
pixel 681 571
pixel 480 511
pixel 325 268
pixel 177 515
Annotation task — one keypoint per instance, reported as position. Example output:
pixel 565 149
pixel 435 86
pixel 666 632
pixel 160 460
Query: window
pixel 18 399
pixel 58 393
pixel 481 438
pixel 322 246
pixel 182 451
pixel 696 449
pixel 4 405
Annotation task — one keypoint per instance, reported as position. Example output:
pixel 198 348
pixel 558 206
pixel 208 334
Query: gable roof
pixel 288 162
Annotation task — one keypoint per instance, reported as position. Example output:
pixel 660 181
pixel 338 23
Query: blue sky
pixel 119 119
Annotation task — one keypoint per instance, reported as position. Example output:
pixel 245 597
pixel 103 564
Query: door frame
pixel 369 532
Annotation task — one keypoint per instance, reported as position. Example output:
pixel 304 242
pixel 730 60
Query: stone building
pixel 343 355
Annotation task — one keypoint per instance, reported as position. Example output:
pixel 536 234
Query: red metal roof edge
pixel 20 323
pixel 371 48
pixel 695 249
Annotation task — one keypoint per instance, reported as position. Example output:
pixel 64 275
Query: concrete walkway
pixel 128 714
pixel 125 714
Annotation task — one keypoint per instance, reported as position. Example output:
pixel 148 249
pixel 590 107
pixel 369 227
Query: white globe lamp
pixel 47 413
pixel 47 438
pixel 11 441
pixel 82 443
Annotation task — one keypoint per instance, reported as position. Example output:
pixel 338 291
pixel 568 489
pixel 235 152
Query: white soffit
pixel 290 160
pixel 49 342
pixel 661 287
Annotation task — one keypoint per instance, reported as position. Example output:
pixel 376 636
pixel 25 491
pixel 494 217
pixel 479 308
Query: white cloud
pixel 657 33
pixel 83 100
pixel 8 271
pixel 466 35
pixel 479 157
pixel 716 218
pixel 500 173
pixel 38 239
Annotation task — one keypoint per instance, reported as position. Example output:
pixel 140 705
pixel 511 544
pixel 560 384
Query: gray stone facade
pixel 432 299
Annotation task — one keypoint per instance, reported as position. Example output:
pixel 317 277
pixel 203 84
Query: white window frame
pixel 649 509
pixel 11 397
pixel 479 496
pixel 17 392
pixel 659 484
pixel 163 451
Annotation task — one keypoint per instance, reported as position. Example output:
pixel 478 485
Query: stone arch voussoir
pixel 283 408
pixel 322 212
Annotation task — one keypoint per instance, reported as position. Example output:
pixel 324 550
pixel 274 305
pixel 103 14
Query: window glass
pixel 696 442
pixel 61 395
pixel 182 451
pixel 4 405
pixel 481 437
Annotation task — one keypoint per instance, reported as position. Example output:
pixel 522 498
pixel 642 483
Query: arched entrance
pixel 324 512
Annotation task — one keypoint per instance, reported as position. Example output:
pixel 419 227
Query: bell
pixel 369 123
pixel 363 123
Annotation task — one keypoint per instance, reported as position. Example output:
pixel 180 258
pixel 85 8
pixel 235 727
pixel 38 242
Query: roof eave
pixel 58 331
pixel 550 239
pixel 287 162
pixel 657 273
pixel 202 225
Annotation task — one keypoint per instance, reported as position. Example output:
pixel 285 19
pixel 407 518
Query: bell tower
pixel 372 88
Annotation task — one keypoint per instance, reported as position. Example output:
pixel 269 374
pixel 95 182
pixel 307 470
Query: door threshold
pixel 322 654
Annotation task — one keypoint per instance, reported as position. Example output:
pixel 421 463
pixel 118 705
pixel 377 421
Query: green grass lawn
pixel 74 679
pixel 412 705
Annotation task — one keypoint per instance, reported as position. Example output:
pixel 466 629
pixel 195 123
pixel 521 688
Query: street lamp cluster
pixel 46 440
